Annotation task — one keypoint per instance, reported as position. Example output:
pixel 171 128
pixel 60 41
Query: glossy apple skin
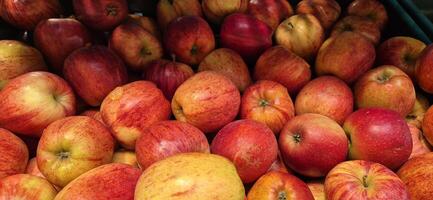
pixel 101 15
pixel 385 87
pixel 147 23
pixel 125 157
pixel 57 38
pixel 111 181
pixel 416 116
pixel 347 56
pixel 204 176
pixel 326 11
pixel 72 146
pixel 128 110
pixel 326 95
pixel 378 135
pixel 14 154
pixel 279 64
pixel 169 10
pixel 32 168
pixel 167 75
pixel 216 10
pixel 401 52
pixel 207 100
pixel 279 185
pixel 26 14
pixel 25 186
pixel 364 180
pixel 250 145
pixel 371 9
pixel 94 72
pixel 359 25
pixel 317 188
pixel 307 136
pixel 168 138
pixel 423 69
pixel 95 114
pixel 246 35
pixel 267 102
pixel 28 105
pixel 419 143
pixel 272 12
pixel 427 125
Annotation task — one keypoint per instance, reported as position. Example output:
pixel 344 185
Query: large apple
pixel 125 157
pixel 317 188
pixel 102 15
pixel 216 10
pixel 13 154
pixel 364 180
pixel 359 25
pixel 71 146
pixel 326 11
pixel 370 9
pixel 417 175
pixel 32 101
pixel 423 69
pixel 419 143
pixel 427 125
pixel 272 12
pixel 416 116
pixel 169 10
pixel 25 186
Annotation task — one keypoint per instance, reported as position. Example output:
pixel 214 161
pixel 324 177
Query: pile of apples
pixel 213 99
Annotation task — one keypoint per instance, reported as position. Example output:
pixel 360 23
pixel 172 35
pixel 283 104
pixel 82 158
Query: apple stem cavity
pixel 383 77
pixel 194 50
pixel 111 10
pixel 146 52
pixel 282 195
pixel 290 26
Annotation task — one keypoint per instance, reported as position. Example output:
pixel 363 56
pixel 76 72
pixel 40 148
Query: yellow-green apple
pixel 17 58
pixel 419 144
pixel 326 95
pixel 72 146
pixel 385 87
pixel 59 37
pixel 427 125
pixel 317 188
pixel 424 69
pixel 192 176
pixel 228 63
pixel 189 39
pixel 312 144
pixel 417 175
pixel 364 180
pixel 95 114
pixel 272 12
pixel 169 10
pixel 32 101
pixel 267 102
pixel 26 187
pixel 347 56
pixel 128 110
pixel 167 75
pixel 146 23
pixel 125 157
pixel 136 46
pixel 208 100
pixel 102 15
pixel 378 135
pixel 416 116
pixel 279 185
pixel 216 10
pixel 27 14
pixel 326 11
pixel 94 72
pixel 250 145
pixel 370 9
pixel 359 25
pixel 402 52
pixel 281 65
pixel 13 154
pixel 113 181
pixel 302 34
pixel 32 168
pixel 246 35
pixel 167 138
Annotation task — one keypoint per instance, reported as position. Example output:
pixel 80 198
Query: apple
pixel 25 186
pixel 419 143
pixel 17 58
pixel 267 102
pixel 246 35
pixel 13 154
pixel 427 125
pixel 32 168
pixel 125 157
pixel 189 39
pixel 147 23
pixel 370 9
pixel 169 10
pixel 317 188
pixel 101 15
pixel 347 56
pixel 272 12
pixel 279 64
pixel 128 110
pixel 230 64
pixel 326 11
pixel 167 75
pixel 385 87
pixel 57 38
pixel 302 34
pixel 94 72
pixel 216 10
pixel 279 165
pixel 359 25
pixel 312 144
pixel 416 116
pixel 326 95
pixel 26 14
pixel 95 114
pixel 363 180
pixel 208 100
pixel 32 101
pixel 167 138
pixel 191 176
pixel 378 135
pixel 71 146
pixel 401 52
pixel 423 69
pixel 250 145
pixel 111 181
pixel 279 185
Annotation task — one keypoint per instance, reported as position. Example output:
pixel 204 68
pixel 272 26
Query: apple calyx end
pixel 282 195
pixel 297 138
pixel 63 155
pixel 263 103
pixel 111 10
pixel 364 181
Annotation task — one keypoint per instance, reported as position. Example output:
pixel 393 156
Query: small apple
pixel 14 154
pixel 101 15
pixel 216 10
pixel 169 10
pixel 359 25
pixel 25 186
pixel 326 11
pixel 419 143
pixel 125 157
pixel 370 9
pixel 423 69
pixel 272 12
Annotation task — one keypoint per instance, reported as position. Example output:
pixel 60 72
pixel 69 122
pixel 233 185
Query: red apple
pixel 423 69
pixel 25 186
pixel 216 10
pixel 326 11
pixel 125 157
pixel 169 10
pixel 32 101
pixel 317 188
pixel 146 23
pixel 378 135
pixel 359 25
pixel 281 65
pixel 417 175
pixel 32 168
pixel 207 100
pixel 272 12
pixel 95 114
pixel 416 116
pixel 267 102
pixel 13 154
pixel 364 180
pixel 427 125
pixel 370 9
pixel 419 143
pixel 102 15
